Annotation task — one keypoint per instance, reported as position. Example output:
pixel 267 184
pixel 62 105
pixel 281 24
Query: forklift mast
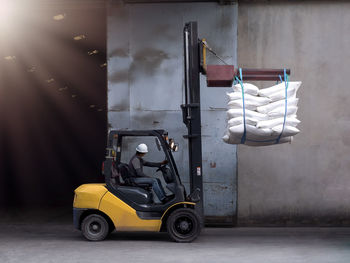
pixel 191 110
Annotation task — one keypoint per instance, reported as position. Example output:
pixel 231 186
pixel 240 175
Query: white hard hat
pixel 142 148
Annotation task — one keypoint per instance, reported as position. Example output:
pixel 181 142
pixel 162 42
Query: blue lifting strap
pixel 286 82
pixel 240 80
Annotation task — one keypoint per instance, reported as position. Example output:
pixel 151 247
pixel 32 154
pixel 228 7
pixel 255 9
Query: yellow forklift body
pixel 89 195
pixel 124 216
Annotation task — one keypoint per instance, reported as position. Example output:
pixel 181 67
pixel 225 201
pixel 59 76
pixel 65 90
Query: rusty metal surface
pixel 223 75
pixel 145 85
pixel 263 77
pixel 220 75
pixel 264 71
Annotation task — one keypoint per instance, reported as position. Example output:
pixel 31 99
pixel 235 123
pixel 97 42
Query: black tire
pixel 111 229
pixel 184 225
pixel 95 227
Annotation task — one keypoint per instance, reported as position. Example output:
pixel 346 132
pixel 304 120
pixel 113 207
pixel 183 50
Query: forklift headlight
pixel 173 146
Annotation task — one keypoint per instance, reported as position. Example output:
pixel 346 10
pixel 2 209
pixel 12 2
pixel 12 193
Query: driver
pixel 136 169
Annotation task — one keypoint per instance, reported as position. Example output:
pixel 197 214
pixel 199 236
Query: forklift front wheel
pixel 95 227
pixel 184 225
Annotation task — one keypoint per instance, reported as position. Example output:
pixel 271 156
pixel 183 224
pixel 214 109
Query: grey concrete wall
pixel 145 86
pixel 307 182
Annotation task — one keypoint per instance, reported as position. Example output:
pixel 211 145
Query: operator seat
pixel 125 174
pixel 139 193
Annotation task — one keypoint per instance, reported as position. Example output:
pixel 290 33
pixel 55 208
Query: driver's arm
pixel 151 164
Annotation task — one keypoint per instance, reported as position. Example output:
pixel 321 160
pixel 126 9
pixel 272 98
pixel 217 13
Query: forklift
pixel 119 204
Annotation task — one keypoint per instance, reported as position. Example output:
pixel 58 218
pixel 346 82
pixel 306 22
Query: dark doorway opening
pixel 53 118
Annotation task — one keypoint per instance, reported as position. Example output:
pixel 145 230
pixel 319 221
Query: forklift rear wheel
pixel 184 225
pixel 95 227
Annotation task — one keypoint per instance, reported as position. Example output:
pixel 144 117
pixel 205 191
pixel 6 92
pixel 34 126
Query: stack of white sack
pixel 268 120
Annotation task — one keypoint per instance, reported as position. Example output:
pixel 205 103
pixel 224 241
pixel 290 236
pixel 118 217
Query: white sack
pixel 231 139
pixel 248 88
pixel 290 121
pixel 226 138
pixel 250 130
pixel 258 101
pixel 238 104
pixel 293 86
pixel 282 140
pixel 287 131
pixel 280 111
pixel 281 95
pixel 271 106
pixel 264 115
pixel 239 120
pixel 232 113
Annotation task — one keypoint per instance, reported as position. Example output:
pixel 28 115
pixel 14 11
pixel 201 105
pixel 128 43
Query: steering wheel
pixel 161 168
pixel 166 174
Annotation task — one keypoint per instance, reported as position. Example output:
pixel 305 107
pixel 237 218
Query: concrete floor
pixel 51 242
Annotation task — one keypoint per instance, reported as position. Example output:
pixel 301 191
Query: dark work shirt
pixel 136 165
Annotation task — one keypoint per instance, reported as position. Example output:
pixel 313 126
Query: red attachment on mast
pixel 223 75
pixel 220 75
